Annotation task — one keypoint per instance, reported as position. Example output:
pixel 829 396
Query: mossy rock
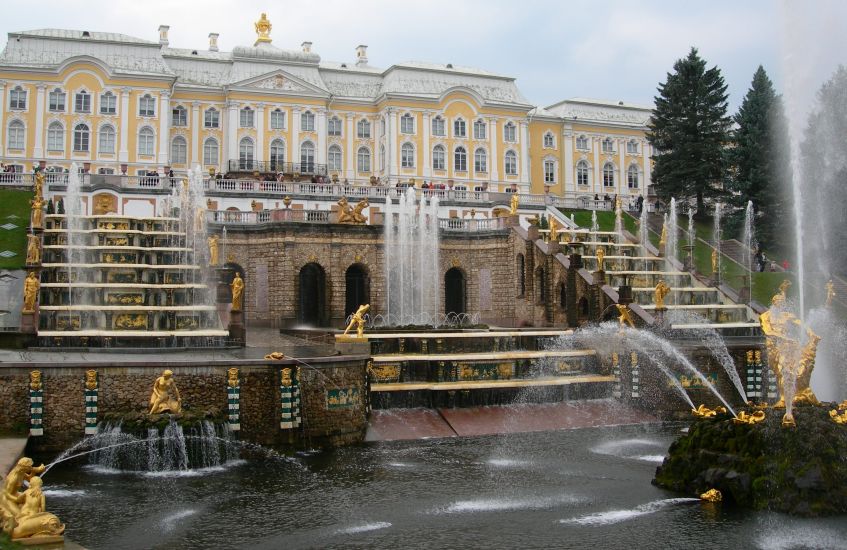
pixel 801 471
pixel 139 421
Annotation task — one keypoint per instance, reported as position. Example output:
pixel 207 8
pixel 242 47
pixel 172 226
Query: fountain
pixel 716 251
pixel 23 516
pixel 671 252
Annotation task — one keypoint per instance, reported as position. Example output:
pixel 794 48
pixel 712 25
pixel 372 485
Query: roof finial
pixel 263 30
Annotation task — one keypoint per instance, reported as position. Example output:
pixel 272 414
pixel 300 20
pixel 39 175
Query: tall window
pixel 608 145
pixel 438 158
pixel 17 99
pixel 363 160
pixel 608 175
pixel 632 177
pixel 55 137
pixel 509 132
pixel 246 118
pixel 277 155
pixel 82 102
pixel 307 157
pixel 210 152
pixel 333 158
pixel 632 147
pixel 146 105
pixel 511 164
pixel 334 126
pixel 549 141
pixel 211 118
pixel 582 142
pixel 479 129
pixel 438 126
pixel 460 128
pixel 81 137
pixel 363 129
pixel 460 160
pixel 146 142
pixel 245 154
pixel 108 104
pixel 106 137
pixel 307 121
pixel 16 135
pixel 407 156
pixel 179 150
pixel 549 171
pixel 582 173
pixel 179 116
pixel 407 124
pixel 480 160
pixel 56 101
pixel 277 119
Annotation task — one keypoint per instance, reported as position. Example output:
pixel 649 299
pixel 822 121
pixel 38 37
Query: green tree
pixel 761 162
pixel 689 130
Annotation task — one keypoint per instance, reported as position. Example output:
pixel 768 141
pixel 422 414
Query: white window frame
pixel 609 175
pixel 82 102
pixel 363 129
pixel 307 121
pixel 583 171
pixel 632 147
pixel 179 116
pixel 439 126
pixel 210 144
pixel 57 101
pixel 277 154
pixel 582 143
pixel 17 99
pixel 246 153
pixel 607 146
pixel 480 129
pixel 549 171
pixel 307 156
pixel 407 155
pixel 106 139
pixel 632 173
pixel 460 124
pixel 439 157
pixel 549 140
pixel 246 118
pixel 108 103
pixel 16 135
pixel 334 159
pixel 460 163
pixel 82 138
pixel 147 106
pixel 363 160
pixel 510 132
pixel 407 124
pixel 211 118
pixel 480 161
pixel 179 150
pixel 56 136
pixel 146 142
pixel 510 163
pixel 277 119
pixel 333 127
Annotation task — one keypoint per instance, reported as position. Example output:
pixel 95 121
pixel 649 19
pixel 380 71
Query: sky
pixel 614 50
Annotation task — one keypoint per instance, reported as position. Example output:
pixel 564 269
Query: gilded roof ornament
pixel 263 30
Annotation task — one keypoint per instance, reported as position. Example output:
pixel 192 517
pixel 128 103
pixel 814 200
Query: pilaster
pixel 231 133
pixel 525 176
pixel 494 160
pixel 426 155
pixel 295 137
pixel 38 151
pixel 164 127
pixel 321 153
pixel 350 160
pixel 260 133
pixel 123 152
pixel 195 134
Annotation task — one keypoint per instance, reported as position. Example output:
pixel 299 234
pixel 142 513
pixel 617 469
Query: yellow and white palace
pixel 122 105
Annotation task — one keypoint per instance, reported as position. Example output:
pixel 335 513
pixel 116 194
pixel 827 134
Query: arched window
pixel 521 273
pixel 334 126
pixel 307 121
pixel 146 105
pixel 582 173
pixel 632 177
pixel 460 128
pixel 582 142
pixel 480 160
pixel 246 118
pixel 407 156
pixel 509 133
pixel 333 158
pixel 608 175
pixel 146 142
pixel 179 150
pixel 277 119
pixel 460 160
pixel 363 160
pixel 245 154
pixel 549 141
pixel 632 147
pixel 277 155
pixel 81 138
pixel 363 129
pixel 479 129
pixel 179 116
pixel 511 163
pixel 307 157
pixel 549 171
pixel 57 101
pixel 438 126
pixel 17 99
pixel 211 118
pixel 407 124
pixel 82 102
pixel 210 151
pixel 108 104
pixel 540 285
pixel 106 139
pixel 608 145
pixel 55 137
pixel 439 161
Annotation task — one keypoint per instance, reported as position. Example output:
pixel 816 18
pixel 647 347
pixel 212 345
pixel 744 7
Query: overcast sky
pixel 616 50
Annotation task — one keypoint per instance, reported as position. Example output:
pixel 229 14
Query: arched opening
pixel 357 286
pixel 228 274
pixel 583 309
pixel 312 310
pixel 454 291
pixel 563 296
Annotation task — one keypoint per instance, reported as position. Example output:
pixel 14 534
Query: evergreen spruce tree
pixel 689 130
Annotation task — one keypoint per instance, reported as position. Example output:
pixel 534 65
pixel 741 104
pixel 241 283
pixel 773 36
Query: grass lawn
pixel 14 209
pixel 605 219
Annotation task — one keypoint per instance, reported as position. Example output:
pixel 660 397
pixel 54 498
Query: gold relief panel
pixel 504 370
pixel 131 321
pixel 385 373
pixel 173 278
pixel 125 299
pixel 186 322
pixel 65 322
pixel 117 241
pixel 35 380
pixel 121 277
pixel 91 379
pixel 343 398
pixel 62 276
pixel 119 258
pixel 104 203
pixel 113 225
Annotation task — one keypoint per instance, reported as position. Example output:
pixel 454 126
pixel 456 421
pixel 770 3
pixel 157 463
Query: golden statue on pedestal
pixel 37 220
pixel 662 290
pixel 213 249
pixel 513 205
pixel 712 495
pixel 714 261
pixel 33 249
pixel 358 320
pixel 625 317
pixel 554 230
pixel 22 512
pixel 601 257
pixel 232 377
pixel 237 287
pixel 31 286
pixel 263 29
pixel 351 214
pixel 165 396
pixel 38 183
pixel 663 238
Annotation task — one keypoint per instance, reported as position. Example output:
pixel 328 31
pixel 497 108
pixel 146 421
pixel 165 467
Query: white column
pixel 622 185
pixel 350 160
pixel 231 133
pixel 379 139
pixel 2 113
pixel 493 158
pixel 195 134
pixel 38 151
pixel 321 155
pixel 567 148
pixel 393 138
pixel 645 155
pixel 525 176
pixel 260 133
pixel 295 137
pixel 598 170
pixel 123 152
pixel 164 127
pixel 426 154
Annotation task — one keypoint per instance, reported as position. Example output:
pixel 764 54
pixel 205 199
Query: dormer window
pixel 82 102
pixel 57 101
pixel 147 106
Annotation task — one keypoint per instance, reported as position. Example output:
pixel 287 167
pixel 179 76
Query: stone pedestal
pixel 625 295
pixel 659 314
pixel 237 332
pixel 689 258
pixel 352 345
pixel 599 277
pixel 29 322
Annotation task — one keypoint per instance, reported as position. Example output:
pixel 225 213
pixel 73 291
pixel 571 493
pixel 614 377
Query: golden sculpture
pixel 744 418
pixel 38 183
pixel 104 203
pixel 358 320
pixel 715 261
pixel 275 355
pixel 843 405
pixel 712 495
pixel 22 512
pixel 838 418
pixel 232 377
pixel 286 200
pixel 830 292
pixel 91 379
pixel 618 203
pixel 37 220
pixel 350 214
pixel 165 396
pixel 35 380
pixel 213 249
pixel 662 290
pixel 625 317
pixel 663 238
pixel 263 30
pixel 601 257
pixel 513 204
pixel 131 321
pixel 704 412
pixel 285 377
pixel 31 286
pixel 237 287
pixel 554 230
pixel 33 249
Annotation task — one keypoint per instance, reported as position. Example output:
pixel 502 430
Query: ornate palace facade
pixel 117 104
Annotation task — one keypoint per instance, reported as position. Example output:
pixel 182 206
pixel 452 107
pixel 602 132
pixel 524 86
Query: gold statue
pixel 744 418
pixel 38 184
pixel 715 261
pixel 704 412
pixel 31 286
pixel 601 257
pixel 237 286
pixel 513 204
pixel 34 520
pixel 618 203
pixel 213 249
pixel 35 380
pixel 625 317
pixel 662 290
pixel 232 377
pixel 37 220
pixel 275 355
pixel 663 238
pixel 91 379
pixel 285 377
pixel 263 30
pixel 33 250
pixel 838 418
pixel 554 230
pixel 165 396
pixel 830 292
pixel 712 495
pixel 12 498
pixel 358 320
pixel 350 214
